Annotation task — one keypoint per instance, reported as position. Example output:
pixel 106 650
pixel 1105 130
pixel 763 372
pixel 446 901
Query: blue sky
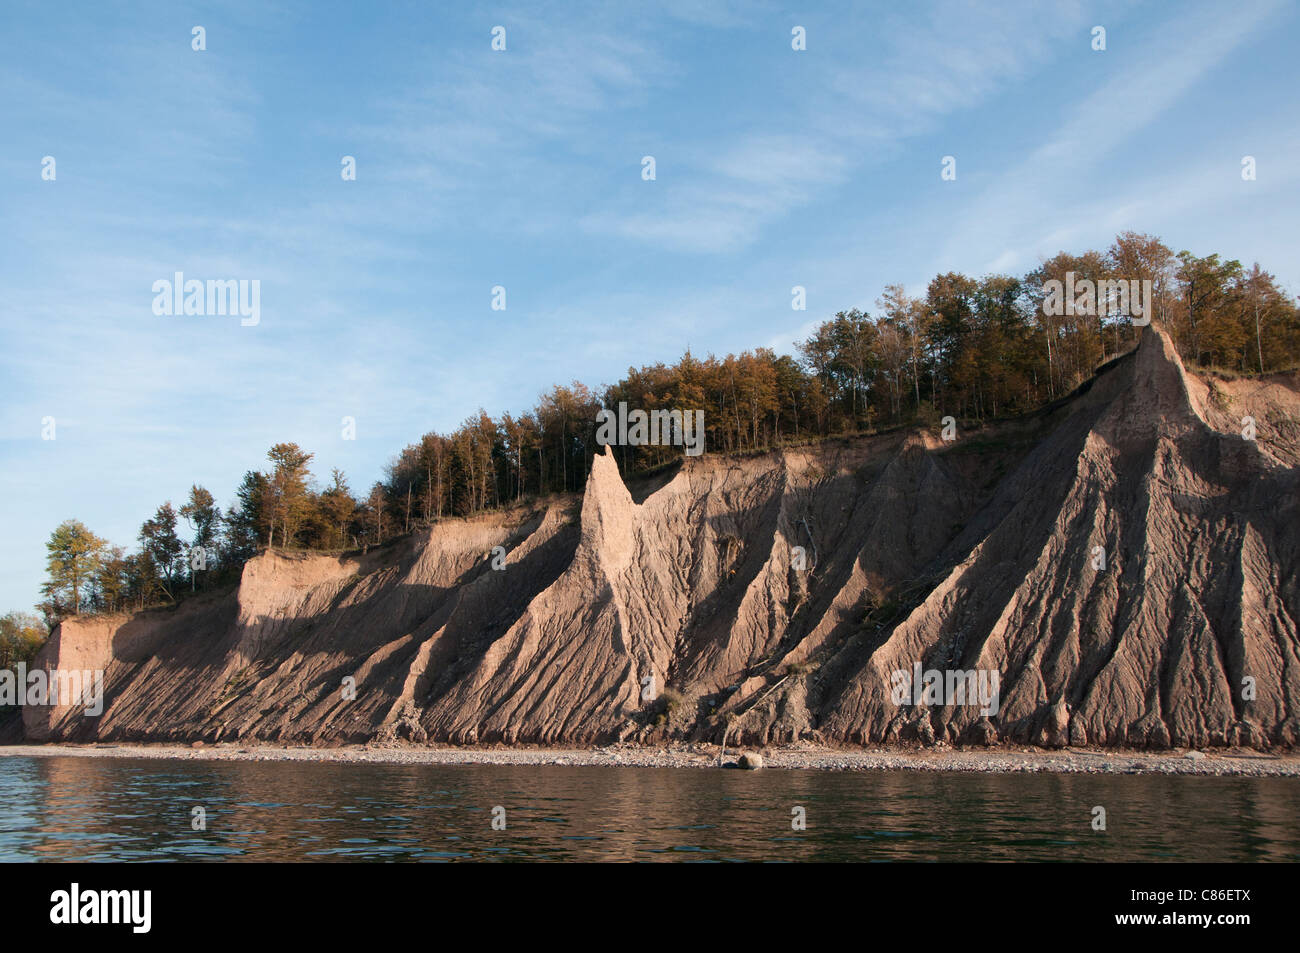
pixel 522 168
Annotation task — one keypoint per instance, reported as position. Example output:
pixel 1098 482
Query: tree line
pixel 973 348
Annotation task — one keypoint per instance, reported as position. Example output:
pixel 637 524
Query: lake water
pixel 108 809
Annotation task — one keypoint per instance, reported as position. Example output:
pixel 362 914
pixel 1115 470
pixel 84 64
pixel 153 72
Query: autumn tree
pixel 1204 284
pixel 111 578
pixel 567 416
pixel 903 314
pixel 757 392
pixel 1271 319
pixel 286 498
pixel 971 347
pixel 21 636
pixel 1137 257
pixel 894 355
pixel 338 506
pixel 791 395
pixel 1074 341
pixel 434 454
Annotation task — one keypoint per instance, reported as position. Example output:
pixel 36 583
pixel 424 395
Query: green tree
pixel 143 586
pixel 158 538
pixel 843 353
pixel 247 523
pixel 73 556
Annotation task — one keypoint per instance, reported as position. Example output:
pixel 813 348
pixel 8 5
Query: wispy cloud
pixel 1043 191
pixel 775 168
pixel 843 113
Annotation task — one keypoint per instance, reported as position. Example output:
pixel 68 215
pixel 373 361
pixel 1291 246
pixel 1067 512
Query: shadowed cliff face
pixel 775 597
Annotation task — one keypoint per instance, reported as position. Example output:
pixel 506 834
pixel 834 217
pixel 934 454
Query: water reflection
pixel 71 808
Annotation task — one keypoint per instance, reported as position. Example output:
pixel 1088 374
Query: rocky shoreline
pixel 1005 760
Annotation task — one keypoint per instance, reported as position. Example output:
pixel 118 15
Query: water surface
pixel 112 809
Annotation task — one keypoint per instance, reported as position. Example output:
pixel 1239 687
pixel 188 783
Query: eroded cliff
pixel 773 597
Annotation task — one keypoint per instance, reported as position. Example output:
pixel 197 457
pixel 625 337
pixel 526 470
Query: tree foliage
pixel 974 348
